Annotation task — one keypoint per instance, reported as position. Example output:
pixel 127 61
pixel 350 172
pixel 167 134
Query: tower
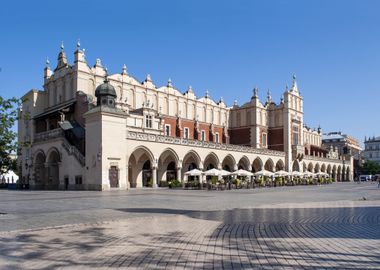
pixel 293 125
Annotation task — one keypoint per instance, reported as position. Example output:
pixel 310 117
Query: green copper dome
pixel 105 89
pixel 105 94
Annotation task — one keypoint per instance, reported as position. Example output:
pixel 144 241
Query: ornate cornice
pixel 140 136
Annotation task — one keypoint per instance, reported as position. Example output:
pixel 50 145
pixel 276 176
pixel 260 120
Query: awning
pixel 56 109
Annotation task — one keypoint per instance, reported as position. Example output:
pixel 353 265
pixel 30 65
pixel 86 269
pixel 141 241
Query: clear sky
pixel 227 47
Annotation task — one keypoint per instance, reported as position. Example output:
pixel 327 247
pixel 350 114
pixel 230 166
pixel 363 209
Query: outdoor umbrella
pixel 242 172
pixel 213 172
pixel 281 173
pixel 296 173
pixel 194 172
pixel 225 173
pixel 263 173
pixel 309 174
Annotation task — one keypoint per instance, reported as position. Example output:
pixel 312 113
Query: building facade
pixel 372 149
pixel 90 130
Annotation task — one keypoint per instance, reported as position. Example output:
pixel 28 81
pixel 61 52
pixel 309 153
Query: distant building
pixel 372 149
pixel 345 145
pixel 342 143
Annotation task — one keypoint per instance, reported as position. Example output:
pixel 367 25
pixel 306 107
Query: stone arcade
pixel 90 130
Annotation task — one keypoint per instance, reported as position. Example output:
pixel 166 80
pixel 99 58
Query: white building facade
pixel 90 130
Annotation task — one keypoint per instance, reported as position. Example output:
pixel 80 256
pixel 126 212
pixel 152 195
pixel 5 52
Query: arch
pixel 257 165
pixel 334 173
pixel 191 161
pixel 280 165
pixel 269 165
pixel 228 163
pixel 244 163
pixel 141 149
pixel 339 173
pixel 296 166
pixel 140 171
pixel 211 161
pixel 310 167
pixel 323 168
pixel 316 168
pixel 39 168
pixel 167 165
pixel 348 174
pixel 53 161
pixel 328 170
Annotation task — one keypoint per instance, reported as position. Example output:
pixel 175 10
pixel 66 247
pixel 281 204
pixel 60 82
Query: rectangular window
pixel 148 121
pixel 78 180
pixel 295 135
pixel 217 137
pixel 186 133
pixel 264 140
pixel 203 135
pixel 167 130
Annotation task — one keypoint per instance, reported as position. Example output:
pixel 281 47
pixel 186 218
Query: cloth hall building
pixel 90 130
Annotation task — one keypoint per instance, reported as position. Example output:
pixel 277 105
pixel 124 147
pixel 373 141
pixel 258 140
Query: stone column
pixel 154 172
pixel 179 174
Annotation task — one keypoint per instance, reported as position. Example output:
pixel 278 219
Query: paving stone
pixel 327 227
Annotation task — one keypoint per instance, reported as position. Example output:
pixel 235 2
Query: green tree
pixel 8 143
pixel 370 167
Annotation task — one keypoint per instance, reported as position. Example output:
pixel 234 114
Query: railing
pixel 72 150
pixel 132 135
pixel 308 157
pixel 59 133
pixel 49 135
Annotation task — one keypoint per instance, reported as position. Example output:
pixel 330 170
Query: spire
pixel 207 95
pixel 255 92
pixel 294 86
pixel 190 89
pixel 269 97
pixel 124 70
pixel 47 63
pixel 62 60
pixel 170 83
pixel 106 75
pixel 47 70
pixel 98 63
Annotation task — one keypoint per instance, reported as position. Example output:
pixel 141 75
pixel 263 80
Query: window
pixel 203 135
pixel 148 121
pixel 295 135
pixel 217 137
pixel 167 130
pixel 264 139
pixel 78 180
pixel 186 133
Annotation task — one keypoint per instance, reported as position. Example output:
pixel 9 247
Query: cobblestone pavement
pixel 329 227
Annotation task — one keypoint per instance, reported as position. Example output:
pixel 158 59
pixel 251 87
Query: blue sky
pixel 227 47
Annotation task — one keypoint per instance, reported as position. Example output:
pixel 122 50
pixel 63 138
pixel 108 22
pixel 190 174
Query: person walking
pixel 378 181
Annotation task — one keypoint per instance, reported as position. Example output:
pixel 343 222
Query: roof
pixel 332 137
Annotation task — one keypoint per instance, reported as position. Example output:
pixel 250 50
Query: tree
pixel 370 167
pixel 8 143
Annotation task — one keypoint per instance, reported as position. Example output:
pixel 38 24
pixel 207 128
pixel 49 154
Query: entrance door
pixel 114 177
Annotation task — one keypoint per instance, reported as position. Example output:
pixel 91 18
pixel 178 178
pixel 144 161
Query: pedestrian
pixel 378 182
